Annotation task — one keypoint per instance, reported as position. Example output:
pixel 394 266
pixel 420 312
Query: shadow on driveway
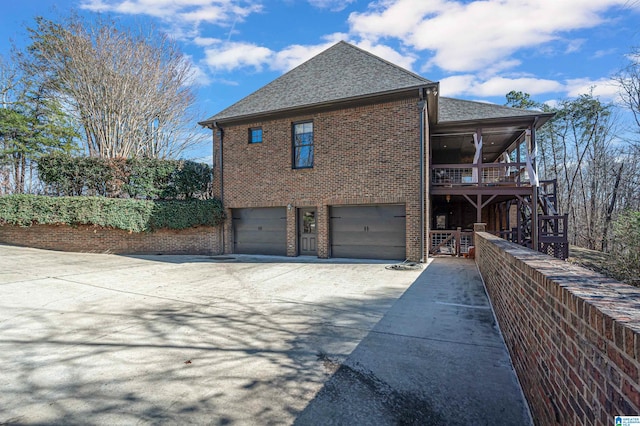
pixel 101 339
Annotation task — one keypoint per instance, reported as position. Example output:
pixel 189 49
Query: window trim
pixel 250 135
pixel 294 146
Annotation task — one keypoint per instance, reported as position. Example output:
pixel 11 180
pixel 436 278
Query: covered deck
pixel 485 171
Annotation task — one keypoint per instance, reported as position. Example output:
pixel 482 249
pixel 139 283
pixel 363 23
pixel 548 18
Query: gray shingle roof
pixel 450 109
pixel 341 72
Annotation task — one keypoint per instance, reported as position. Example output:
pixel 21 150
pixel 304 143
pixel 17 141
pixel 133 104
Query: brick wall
pixel 363 155
pixel 94 239
pixel 573 334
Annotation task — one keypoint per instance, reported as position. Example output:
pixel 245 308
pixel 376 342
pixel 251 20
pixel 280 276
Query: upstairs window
pixel 303 145
pixel 255 135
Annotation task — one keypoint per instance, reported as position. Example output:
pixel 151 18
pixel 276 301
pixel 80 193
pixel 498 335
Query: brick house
pixel 349 155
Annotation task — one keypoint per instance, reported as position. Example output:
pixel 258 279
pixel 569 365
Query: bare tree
pixel 9 81
pixel 628 80
pixel 7 84
pixel 130 91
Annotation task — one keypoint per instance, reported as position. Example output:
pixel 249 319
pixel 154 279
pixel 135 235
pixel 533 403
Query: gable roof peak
pixel 340 73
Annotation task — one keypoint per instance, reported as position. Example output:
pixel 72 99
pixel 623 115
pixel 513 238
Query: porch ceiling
pixel 452 146
pixel 452 143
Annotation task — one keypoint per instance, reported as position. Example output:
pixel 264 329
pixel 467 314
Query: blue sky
pixel 478 50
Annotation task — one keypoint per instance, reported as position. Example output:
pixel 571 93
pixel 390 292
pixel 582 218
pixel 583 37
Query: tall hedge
pixel 145 178
pixel 128 214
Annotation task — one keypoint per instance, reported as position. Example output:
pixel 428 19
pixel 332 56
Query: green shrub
pixel 192 179
pixel 128 214
pixel 181 214
pixel 149 178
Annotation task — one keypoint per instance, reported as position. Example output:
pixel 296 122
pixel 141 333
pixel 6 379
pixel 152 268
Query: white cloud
pixel 199 77
pixel 335 37
pixel 575 45
pixel 209 13
pixel 500 86
pixel 334 5
pixel 605 52
pixel 292 56
pixel 604 88
pixel 405 60
pixel 398 18
pixel 229 56
pixel 232 55
pixel 183 16
pixel 470 36
pixel 491 69
pixel 469 84
pixel 205 41
pixel 456 85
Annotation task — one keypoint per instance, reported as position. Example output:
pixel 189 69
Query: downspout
pixel 423 109
pixel 221 137
pixel 220 159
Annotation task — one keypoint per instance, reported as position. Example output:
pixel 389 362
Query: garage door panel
pixel 390 238
pixel 367 252
pixel 258 248
pixel 347 224
pixel 257 237
pixel 260 231
pixel 371 213
pixel 375 232
pixel 362 238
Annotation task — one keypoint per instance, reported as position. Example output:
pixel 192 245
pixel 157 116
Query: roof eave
pixel 538 119
pixel 208 123
pixel 333 104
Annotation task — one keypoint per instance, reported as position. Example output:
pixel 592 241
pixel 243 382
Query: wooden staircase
pixel 552 226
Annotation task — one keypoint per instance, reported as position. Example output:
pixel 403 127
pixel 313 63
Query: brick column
pixel 479 227
pixel 323 231
pixel 292 231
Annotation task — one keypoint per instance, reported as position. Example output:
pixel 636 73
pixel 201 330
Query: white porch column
pixel 477 158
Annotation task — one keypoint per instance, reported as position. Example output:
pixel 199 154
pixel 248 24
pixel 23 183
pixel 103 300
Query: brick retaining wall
pixel 573 334
pixel 95 239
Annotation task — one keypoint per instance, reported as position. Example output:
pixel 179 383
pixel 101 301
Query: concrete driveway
pixel 104 339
